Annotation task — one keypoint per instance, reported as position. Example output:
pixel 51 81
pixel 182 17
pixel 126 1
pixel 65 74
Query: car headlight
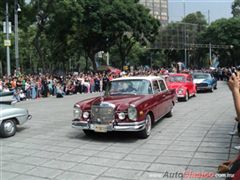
pixel 132 113
pixel 86 115
pixel 180 91
pixel 77 113
pixel 121 115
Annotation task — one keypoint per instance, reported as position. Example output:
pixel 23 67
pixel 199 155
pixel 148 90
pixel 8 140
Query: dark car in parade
pixel 204 81
pixel 129 104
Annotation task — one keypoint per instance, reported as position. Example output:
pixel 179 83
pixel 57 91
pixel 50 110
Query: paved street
pixel 195 138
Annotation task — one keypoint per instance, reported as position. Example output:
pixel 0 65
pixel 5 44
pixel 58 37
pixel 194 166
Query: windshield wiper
pixel 129 93
pixel 116 93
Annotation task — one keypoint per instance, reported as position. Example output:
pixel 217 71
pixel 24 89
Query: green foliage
pixel 142 29
pixel 195 18
pixel 174 37
pixel 236 8
pixel 225 32
pixel 66 35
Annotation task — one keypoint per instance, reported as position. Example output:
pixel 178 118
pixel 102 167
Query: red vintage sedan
pixel 129 104
pixel 183 84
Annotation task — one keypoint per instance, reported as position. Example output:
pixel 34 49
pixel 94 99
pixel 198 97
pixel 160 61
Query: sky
pixel 217 8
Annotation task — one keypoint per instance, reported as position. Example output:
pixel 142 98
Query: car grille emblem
pixel 99 120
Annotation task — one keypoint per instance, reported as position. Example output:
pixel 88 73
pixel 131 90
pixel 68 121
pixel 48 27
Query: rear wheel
pixel 8 128
pixel 170 113
pixel 147 131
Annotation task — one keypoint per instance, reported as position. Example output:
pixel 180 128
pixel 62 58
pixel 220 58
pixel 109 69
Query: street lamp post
pixel 7 39
pixel 210 53
pixel 16 10
pixel 185 36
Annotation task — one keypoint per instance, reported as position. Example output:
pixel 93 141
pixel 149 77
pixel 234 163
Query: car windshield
pixel 176 79
pixel 128 86
pixel 201 76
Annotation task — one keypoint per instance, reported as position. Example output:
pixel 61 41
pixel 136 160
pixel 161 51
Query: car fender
pixel 19 114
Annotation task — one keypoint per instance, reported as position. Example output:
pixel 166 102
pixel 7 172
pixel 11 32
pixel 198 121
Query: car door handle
pixel 164 95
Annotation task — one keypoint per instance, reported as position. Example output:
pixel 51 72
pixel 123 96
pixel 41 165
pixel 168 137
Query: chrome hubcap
pixel 148 124
pixel 9 127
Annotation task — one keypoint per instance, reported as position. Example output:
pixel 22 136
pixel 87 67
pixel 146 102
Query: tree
pixel 177 36
pixel 142 29
pixel 110 22
pixel 225 32
pixel 196 25
pixel 236 8
pixel 195 18
pixel 64 19
pixel 98 28
pixel 53 24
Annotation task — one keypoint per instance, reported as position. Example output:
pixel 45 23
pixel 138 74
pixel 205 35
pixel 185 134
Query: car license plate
pixel 100 128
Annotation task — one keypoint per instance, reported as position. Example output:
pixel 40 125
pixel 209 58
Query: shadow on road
pixel 123 137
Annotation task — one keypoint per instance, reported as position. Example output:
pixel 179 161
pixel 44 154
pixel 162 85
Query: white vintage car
pixel 10 117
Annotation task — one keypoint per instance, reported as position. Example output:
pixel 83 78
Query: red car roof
pixel 179 74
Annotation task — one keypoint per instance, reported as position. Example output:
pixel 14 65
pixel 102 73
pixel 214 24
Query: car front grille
pixel 102 115
pixel 202 85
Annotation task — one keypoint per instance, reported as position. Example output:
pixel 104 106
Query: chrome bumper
pixel 204 88
pixel 132 126
pixel 180 96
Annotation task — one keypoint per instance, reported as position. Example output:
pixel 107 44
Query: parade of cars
pixel 129 104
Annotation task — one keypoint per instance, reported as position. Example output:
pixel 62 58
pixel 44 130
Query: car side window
pixel 146 87
pixel 162 85
pixel 156 88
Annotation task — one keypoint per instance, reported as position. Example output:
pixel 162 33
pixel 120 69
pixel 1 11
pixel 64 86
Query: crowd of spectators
pixel 40 86
pixel 26 87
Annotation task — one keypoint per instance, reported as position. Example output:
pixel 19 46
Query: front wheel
pixel 186 97
pixel 211 90
pixel 147 131
pixel 8 128
pixel 194 95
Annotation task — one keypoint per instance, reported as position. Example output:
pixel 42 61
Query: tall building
pixel 158 8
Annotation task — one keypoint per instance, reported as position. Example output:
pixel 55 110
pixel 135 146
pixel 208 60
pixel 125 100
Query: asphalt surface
pixel 47 147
